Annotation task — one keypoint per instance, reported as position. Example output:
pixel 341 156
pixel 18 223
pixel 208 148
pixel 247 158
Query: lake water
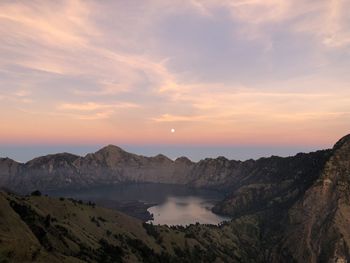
pixel 185 210
pixel 173 204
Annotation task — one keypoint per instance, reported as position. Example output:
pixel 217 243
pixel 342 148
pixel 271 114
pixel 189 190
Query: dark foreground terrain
pixel 294 209
pixel 44 229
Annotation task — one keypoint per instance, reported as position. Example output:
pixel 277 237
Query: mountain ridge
pixel 112 165
pixel 293 209
pixel 120 149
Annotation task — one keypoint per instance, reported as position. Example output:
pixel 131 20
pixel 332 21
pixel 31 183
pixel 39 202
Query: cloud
pixel 92 106
pixel 19 96
pixel 66 27
pixel 177 118
pixel 249 107
pixel 231 67
pixel 94 116
pixel 61 41
pixel 326 20
pixel 93 110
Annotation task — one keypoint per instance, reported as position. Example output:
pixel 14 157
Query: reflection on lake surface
pixel 176 204
pixel 185 210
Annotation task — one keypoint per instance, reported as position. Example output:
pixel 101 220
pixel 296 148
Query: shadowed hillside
pixel 112 165
pixel 294 209
pixel 44 229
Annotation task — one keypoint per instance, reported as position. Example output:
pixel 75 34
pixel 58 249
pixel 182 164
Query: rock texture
pixel 272 183
pixel 302 207
pixel 318 225
pixel 112 165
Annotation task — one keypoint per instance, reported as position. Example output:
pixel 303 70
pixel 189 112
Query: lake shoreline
pixel 139 200
pixel 134 208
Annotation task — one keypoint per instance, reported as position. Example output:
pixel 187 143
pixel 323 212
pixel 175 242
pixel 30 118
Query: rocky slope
pixel 273 182
pixel 302 211
pixel 112 165
pixel 318 224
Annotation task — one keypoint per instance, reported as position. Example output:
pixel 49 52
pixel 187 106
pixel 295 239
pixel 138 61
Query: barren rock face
pixel 8 169
pixel 318 225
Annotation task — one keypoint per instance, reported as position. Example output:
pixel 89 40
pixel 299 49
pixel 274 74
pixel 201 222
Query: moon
pixel 172 130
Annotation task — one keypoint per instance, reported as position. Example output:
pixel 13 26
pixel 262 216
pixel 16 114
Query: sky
pixel 230 77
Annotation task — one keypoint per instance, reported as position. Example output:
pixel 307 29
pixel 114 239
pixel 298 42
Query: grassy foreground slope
pixel 45 229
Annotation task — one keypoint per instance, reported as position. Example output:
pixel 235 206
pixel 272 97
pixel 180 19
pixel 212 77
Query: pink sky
pixel 218 72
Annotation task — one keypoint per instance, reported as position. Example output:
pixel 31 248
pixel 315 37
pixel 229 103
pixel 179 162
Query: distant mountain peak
pixel 68 157
pixel 7 159
pixel 111 149
pixel 162 157
pixel 183 159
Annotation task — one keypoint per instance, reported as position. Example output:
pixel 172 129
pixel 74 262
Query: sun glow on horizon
pixel 249 72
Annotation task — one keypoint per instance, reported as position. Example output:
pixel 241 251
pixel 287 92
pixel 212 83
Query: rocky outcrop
pixel 301 203
pixel 317 228
pixel 9 169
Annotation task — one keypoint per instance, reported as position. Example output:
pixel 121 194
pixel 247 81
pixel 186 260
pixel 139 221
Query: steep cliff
pixel 301 206
pixel 318 225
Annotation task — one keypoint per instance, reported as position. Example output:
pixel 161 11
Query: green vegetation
pixel 66 230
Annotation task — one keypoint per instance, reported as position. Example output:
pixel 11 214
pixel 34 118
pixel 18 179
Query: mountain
pixel 113 165
pixel 294 209
pixel 317 226
pixel 110 165
pixel 303 213
pixel 273 183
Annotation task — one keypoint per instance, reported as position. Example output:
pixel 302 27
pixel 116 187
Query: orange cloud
pixel 135 95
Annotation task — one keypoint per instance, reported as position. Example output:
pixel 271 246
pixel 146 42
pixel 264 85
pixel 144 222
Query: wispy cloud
pixel 178 118
pixel 92 106
pixel 327 20
pixel 210 67
pixel 93 110
pixel 19 96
